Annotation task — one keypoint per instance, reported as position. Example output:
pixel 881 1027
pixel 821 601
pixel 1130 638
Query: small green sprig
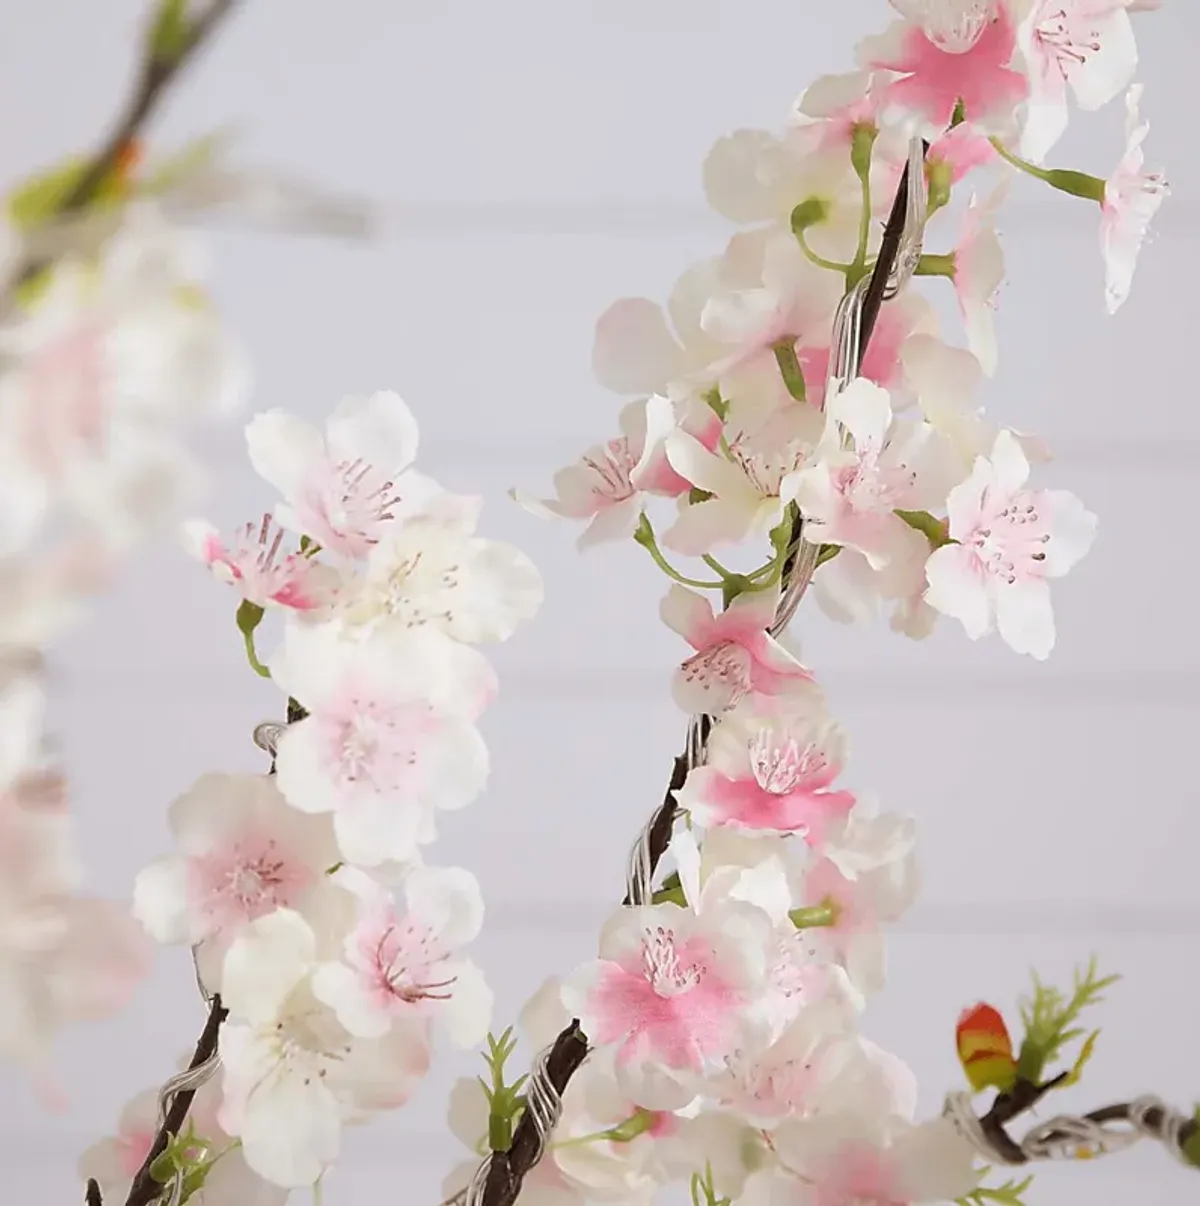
pixel 703 1191
pixel 1051 1018
pixel 1011 1193
pixel 505 1102
pixel 189 1156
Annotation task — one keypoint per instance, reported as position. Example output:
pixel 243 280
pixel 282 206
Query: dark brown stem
pixel 507 1170
pixel 145 1189
pixel 155 75
pixel 1025 1095
pixel 91 1195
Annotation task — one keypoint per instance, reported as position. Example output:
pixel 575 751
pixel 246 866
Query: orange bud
pixel 985 1049
pixel 129 157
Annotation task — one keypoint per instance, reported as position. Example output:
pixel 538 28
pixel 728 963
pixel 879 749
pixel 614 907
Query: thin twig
pixel 156 72
pixel 145 1189
pixel 91 1195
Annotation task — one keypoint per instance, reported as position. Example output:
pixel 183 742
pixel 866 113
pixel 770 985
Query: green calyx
pixel 816 916
pixel 933 529
pixel 809 213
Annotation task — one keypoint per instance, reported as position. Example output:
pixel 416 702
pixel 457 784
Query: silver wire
pixel 267 735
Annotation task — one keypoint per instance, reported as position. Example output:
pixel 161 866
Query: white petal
pixel 376 830
pixel 265 963
pixel 284 450
pixel 1072 532
pixel 352 999
pixel 459 765
pixel 704 526
pixel 448 901
pixel 707 470
pixel 379 430
pixel 1010 463
pixel 687 613
pixel 467 1015
pixel 634 351
pixel 956 589
pixel 291 1130
pixel 616 522
pixel 1025 618
pixel 302 770
pixel 1108 69
pixel 160 900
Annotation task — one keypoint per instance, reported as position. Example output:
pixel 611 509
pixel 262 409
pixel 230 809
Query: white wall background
pixel 543 159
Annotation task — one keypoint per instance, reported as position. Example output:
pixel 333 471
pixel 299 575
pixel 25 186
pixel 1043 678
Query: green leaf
pixel 163 1168
pixel 1051 1017
pixel 827 553
pixel 1011 1193
pixel 933 529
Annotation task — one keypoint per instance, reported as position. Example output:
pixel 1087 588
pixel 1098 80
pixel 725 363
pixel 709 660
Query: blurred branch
pixel 160 65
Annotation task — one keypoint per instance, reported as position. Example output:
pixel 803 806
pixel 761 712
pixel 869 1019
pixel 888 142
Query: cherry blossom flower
pixel 772 773
pixel 750 484
pixel 433 570
pixel 978 273
pixel 951 25
pixel 752 176
pixel 936 78
pixel 861 904
pixel 1084 45
pixel 114 1161
pixel 342 489
pixel 836 107
pixel 256 568
pixel 850 1160
pixel 243 852
pixel 99 373
pixel 1132 197
pixel 666 992
pixel 736 658
pixel 851 495
pixel 1009 540
pixel 292 1073
pixel 398 966
pixel 389 736
pixel 639 349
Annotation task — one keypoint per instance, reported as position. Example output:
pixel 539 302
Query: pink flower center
pixel 1011 543
pixel 870 486
pixel 252 876
pixel 348 502
pixel 403 964
pixel 667 973
pixel 373 744
pixel 724 668
pixel 611 466
pixel 766 468
pixel 780 765
pixel 1066 39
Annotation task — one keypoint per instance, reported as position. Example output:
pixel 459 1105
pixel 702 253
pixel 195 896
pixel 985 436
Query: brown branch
pixel 1026 1094
pixel 156 73
pixel 145 1189
pixel 91 1195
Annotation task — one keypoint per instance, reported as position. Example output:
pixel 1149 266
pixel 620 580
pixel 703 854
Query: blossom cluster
pixel 303 891
pixel 103 362
pixel 723 1013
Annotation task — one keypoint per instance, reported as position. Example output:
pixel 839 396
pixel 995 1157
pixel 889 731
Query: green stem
pixel 789 369
pixel 645 537
pixel 862 146
pixel 249 616
pixel 1078 184
pixel 824 914
pixel 936 265
pixel 714 564
pixel 820 260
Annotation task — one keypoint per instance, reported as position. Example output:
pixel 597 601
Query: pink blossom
pixel 242 854
pixel 978 274
pixel 851 495
pixel 909 315
pixel 1132 197
pixel 405 966
pixel 735 658
pixel 344 488
pixel 835 107
pixel 608 485
pixel 774 774
pixel 389 737
pixel 952 25
pixel 255 566
pixel 1084 45
pixel 1009 540
pixel 934 80
pixel 666 992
